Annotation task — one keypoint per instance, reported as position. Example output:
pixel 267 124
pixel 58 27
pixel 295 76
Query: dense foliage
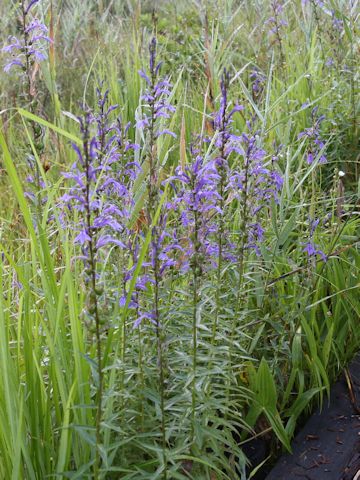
pixel 179 231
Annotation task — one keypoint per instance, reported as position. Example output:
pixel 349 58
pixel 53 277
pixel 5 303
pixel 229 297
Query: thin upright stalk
pixel 278 35
pixel 195 272
pixel 160 354
pixel 243 240
pixel 151 208
pixel 94 303
pixel 141 375
pixel 318 24
pixel 36 130
pixel 243 234
pixel 222 172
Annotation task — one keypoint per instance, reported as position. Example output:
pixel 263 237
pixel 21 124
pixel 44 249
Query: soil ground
pixel 328 447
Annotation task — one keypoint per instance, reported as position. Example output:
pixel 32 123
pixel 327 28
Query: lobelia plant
pixel 196 202
pixel 226 142
pixel 83 196
pixel 99 195
pixel 256 183
pixel 26 53
pixel 276 24
pixel 157 108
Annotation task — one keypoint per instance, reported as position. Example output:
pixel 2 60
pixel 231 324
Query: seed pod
pixel 92 297
pixel 92 328
pixel 39 146
pixel 92 309
pixel 99 290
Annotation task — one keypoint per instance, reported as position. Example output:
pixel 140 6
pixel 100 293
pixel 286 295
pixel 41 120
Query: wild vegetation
pixel 179 231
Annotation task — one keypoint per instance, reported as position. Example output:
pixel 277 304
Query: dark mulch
pixel 328 447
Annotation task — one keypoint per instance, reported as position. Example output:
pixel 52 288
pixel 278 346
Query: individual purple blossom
pixel 30 5
pixel 315 144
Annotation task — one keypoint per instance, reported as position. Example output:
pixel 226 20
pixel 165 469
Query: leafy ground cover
pixel 179 231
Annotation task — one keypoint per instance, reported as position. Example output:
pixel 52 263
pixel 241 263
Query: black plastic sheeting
pixel 328 447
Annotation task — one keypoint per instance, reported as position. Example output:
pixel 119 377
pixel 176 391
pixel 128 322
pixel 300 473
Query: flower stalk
pixel 157 106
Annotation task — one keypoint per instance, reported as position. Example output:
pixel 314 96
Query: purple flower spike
pixel 156 98
pixel 196 201
pixel 32 46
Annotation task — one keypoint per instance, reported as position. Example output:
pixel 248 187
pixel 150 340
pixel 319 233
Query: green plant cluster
pixel 274 358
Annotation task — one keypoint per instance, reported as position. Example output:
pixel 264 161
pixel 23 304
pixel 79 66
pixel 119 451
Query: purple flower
pixel 82 238
pixel 165 132
pixel 13 63
pixel 312 250
pixel 310 247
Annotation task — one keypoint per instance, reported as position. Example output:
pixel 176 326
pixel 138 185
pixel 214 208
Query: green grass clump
pixel 239 351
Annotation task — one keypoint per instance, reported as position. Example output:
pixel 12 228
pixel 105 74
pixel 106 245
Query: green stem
pixel 29 95
pixel 195 270
pixel 141 373
pixel 160 354
pixel 243 241
pixel 151 208
pixel 94 299
pixel 221 224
